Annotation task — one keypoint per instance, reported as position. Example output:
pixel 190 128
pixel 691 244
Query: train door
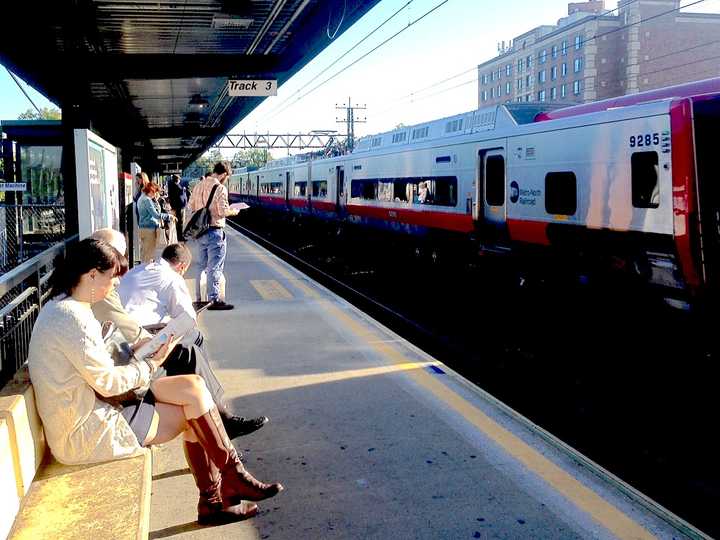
pixel 309 190
pixel 491 210
pixel 706 115
pixel 287 189
pixel 340 191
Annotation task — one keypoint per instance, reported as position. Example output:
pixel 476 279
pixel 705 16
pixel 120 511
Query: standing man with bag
pixel 211 192
pixel 177 195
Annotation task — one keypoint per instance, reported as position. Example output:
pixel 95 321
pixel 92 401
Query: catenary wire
pixel 272 111
pixel 409 25
pixel 23 90
pixel 563 80
pixel 272 114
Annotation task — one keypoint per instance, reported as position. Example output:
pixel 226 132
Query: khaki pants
pixel 148 244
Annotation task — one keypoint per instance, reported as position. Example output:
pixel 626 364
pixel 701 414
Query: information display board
pixel 97 189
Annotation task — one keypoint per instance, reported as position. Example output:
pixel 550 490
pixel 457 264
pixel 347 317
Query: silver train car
pixel 629 179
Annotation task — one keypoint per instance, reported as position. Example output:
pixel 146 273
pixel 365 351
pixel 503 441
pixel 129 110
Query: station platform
pixel 373 438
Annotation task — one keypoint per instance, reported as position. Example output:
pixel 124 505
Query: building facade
pixel 595 54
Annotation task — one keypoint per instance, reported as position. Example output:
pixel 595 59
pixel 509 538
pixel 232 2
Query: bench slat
pixel 27 438
pixel 88 501
pixel 8 492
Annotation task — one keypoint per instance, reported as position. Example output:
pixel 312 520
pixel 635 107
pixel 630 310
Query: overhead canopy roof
pixel 151 75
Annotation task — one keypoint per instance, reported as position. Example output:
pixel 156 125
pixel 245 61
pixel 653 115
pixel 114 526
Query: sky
pixel 391 82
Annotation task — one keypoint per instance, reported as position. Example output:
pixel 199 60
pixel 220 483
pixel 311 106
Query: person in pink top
pixel 213 245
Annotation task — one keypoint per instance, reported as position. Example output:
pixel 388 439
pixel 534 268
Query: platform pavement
pixel 363 448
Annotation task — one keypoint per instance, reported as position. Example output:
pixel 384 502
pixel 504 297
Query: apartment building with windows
pixel 595 54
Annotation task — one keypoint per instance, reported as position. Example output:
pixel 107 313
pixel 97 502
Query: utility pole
pixel 350 120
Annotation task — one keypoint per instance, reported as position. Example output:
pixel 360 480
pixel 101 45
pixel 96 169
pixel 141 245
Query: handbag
pixel 199 223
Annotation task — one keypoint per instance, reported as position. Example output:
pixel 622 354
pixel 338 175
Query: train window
pixel 561 193
pixel 441 191
pixel 364 189
pixel 402 190
pixel 495 180
pixel 645 188
pixel 319 188
pixel 272 188
pixel 385 190
pixel 300 189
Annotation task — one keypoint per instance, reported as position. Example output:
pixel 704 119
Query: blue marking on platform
pixel 435 369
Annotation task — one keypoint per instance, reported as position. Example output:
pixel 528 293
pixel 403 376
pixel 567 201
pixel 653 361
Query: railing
pixel 23 291
pixel 26 230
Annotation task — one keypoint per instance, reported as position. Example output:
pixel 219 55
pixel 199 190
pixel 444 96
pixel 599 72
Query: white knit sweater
pixel 68 362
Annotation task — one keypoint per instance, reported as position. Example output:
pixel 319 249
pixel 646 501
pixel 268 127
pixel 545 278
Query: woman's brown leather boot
pixel 207 479
pixel 237 483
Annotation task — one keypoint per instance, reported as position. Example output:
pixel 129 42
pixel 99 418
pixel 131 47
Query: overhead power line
pixel 415 97
pixel 564 80
pixel 23 90
pixel 438 83
pixel 622 27
pixel 409 25
pixel 315 77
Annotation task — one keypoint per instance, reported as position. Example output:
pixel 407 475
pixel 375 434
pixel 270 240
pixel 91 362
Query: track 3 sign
pixel 245 87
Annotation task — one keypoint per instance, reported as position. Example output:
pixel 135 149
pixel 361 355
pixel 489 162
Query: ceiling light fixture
pixel 198 101
pixel 225 22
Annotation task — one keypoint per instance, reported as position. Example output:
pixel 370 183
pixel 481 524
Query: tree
pixel 45 113
pixel 204 163
pixel 254 157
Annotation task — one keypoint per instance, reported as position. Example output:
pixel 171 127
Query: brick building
pixel 595 54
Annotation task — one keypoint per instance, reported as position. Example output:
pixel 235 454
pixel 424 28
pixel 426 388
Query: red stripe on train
pixel 325 206
pixel 272 200
pixel 451 221
pixel 531 232
pixel 298 203
pixel 685 218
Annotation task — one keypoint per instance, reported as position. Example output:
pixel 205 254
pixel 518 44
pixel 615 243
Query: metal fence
pixel 23 291
pixel 27 230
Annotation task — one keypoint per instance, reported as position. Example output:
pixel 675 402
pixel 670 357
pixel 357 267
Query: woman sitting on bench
pixel 74 378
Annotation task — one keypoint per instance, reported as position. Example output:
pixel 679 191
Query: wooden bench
pixel 41 498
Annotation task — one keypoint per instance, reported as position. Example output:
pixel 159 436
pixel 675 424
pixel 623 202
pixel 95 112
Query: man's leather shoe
pixel 219 305
pixel 237 426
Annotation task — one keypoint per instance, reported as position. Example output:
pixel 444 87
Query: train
pixel 628 180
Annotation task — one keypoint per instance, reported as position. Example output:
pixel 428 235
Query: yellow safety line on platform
pixel 609 516
pixel 270 289
pixel 235 380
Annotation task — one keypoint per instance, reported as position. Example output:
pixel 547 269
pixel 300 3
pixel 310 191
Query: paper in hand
pixel 177 327
pixel 239 206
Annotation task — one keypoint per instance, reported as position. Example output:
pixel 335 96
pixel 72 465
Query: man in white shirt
pixel 156 292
